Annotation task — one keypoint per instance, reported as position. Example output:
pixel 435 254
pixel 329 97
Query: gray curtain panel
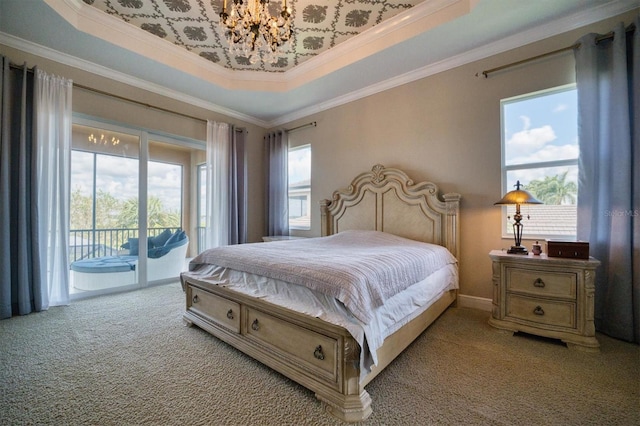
pixel 20 274
pixel 277 202
pixel 608 80
pixel 238 187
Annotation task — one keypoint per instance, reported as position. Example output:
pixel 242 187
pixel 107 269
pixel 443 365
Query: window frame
pixel 505 169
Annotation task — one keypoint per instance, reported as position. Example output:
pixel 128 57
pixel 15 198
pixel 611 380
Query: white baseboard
pixel 474 302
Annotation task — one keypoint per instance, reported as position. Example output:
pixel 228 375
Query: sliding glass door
pixel 130 207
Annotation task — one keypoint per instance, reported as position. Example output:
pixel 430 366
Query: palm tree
pixel 157 215
pixel 554 189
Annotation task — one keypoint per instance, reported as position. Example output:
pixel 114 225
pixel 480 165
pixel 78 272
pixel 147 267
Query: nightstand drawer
pixel 542 283
pixel 541 311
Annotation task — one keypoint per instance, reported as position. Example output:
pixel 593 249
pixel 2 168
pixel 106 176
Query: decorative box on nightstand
pixel 546 296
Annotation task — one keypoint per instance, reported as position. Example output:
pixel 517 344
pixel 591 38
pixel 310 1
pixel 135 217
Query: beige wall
pixel 446 129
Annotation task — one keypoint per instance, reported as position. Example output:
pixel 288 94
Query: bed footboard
pixel 318 355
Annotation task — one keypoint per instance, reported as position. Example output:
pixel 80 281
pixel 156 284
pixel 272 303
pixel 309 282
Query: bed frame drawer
pixel 214 308
pixel 299 344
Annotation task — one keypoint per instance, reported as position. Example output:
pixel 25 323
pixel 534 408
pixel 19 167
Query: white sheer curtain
pixel 53 141
pixel 218 165
pixel 608 81
pixel 277 183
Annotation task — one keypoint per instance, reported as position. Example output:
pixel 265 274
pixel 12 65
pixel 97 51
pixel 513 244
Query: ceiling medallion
pixel 251 30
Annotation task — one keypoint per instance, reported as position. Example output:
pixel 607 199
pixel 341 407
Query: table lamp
pixel 517 197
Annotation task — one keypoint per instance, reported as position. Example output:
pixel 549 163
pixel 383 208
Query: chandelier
pixel 104 140
pixel 251 30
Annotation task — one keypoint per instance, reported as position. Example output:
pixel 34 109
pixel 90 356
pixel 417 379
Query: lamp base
pixel 518 250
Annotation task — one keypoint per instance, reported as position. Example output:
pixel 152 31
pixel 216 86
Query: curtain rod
pixel 313 123
pixel 102 92
pixel 607 36
pixel 21 67
pixel 122 98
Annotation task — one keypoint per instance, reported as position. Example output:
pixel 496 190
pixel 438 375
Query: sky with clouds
pixel 539 129
pixel 119 177
pixel 300 164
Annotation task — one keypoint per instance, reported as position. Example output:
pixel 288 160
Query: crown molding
pixel 90 67
pixel 551 29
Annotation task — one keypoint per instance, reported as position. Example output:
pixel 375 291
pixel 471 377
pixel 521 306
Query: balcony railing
pixel 90 243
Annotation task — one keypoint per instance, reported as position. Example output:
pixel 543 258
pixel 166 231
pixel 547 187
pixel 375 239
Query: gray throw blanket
pixel 361 269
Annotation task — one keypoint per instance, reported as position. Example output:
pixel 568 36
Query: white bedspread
pixel 361 269
pixel 387 319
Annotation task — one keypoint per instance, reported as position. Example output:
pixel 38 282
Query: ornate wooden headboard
pixel 385 199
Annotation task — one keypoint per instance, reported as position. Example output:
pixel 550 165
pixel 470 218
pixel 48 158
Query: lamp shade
pixel 518 196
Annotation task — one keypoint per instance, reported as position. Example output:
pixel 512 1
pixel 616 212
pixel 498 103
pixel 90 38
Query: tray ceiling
pixel 194 25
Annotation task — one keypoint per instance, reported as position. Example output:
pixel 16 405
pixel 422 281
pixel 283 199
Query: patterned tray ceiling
pixel 318 25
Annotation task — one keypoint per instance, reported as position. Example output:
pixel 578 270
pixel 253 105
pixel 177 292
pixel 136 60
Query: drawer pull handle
pixel 230 314
pixel 538 283
pixel 255 326
pixel 318 353
pixel 538 311
pixel 195 299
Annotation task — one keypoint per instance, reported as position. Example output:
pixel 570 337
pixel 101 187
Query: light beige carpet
pixel 127 359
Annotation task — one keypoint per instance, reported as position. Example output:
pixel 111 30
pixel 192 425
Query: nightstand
pixel 546 296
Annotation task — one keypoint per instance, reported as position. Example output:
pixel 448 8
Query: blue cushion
pixel 177 236
pixel 158 252
pixel 105 264
pixel 180 240
pixel 160 239
pixel 178 243
pixel 134 246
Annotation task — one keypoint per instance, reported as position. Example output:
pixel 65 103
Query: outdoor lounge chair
pixel 164 261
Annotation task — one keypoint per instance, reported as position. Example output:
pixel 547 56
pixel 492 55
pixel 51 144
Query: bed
pixel 332 345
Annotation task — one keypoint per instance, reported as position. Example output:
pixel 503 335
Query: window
pixel 540 149
pixel 299 187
